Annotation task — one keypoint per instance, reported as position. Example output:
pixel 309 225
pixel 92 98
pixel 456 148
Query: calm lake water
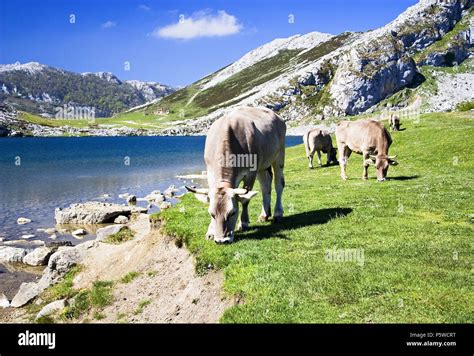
pixel 39 174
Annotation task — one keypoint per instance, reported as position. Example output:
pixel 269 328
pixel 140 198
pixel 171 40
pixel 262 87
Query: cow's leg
pixel 265 179
pixel 365 174
pixel 344 154
pixel 328 156
pixel 278 167
pixel 310 158
pixel 244 217
pixel 319 157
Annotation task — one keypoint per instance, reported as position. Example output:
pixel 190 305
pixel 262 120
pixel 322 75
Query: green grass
pixel 97 297
pixel 466 105
pixel 129 277
pixel 142 305
pixel 415 231
pixel 125 234
pixel 63 289
pixel 80 301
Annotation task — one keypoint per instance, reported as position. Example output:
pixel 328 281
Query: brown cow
pixel 369 138
pixel 318 140
pixel 240 147
pixel 394 122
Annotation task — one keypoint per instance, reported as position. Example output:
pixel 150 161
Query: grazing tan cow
pixel 318 140
pixel 394 122
pixel 366 137
pixel 240 147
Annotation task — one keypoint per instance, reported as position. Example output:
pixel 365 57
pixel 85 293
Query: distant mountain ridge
pixel 334 76
pixel 40 89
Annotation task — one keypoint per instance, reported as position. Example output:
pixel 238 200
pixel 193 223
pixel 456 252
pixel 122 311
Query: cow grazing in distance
pixel 369 138
pixel 318 140
pixel 394 122
pixel 246 144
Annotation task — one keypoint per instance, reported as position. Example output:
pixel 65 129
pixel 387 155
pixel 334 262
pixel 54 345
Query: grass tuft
pixel 125 234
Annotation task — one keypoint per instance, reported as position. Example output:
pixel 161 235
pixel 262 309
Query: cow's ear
pixel 369 162
pixel 243 198
pixel 393 163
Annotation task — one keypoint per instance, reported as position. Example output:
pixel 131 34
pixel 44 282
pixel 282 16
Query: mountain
pixel 321 76
pixel 40 89
pixel 423 60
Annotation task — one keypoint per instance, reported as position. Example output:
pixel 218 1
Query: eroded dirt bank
pixel 165 289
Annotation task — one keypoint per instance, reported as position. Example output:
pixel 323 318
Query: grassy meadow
pixel 414 231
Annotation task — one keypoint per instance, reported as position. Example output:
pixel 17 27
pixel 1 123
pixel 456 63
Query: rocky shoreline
pixel 25 257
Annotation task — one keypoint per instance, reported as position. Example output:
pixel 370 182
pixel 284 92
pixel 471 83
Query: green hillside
pixel 415 231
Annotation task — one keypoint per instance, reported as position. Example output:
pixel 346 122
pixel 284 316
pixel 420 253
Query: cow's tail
pixel 306 146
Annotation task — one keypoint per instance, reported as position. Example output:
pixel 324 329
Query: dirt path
pixel 167 286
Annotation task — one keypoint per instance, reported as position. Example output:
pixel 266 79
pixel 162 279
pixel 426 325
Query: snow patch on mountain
pixel 30 67
pixel 268 50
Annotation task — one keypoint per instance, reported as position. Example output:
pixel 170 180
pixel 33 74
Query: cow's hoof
pixel 224 240
pixel 243 227
pixel 365 178
pixel 263 218
pixel 277 219
pixel 344 178
pixel 311 167
pixel 381 180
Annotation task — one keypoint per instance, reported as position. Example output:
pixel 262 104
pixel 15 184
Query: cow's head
pixel 381 163
pixel 223 209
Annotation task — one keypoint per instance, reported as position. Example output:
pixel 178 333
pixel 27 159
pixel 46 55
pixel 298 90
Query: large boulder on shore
pixel 12 254
pixel 26 292
pixel 94 213
pixel 39 256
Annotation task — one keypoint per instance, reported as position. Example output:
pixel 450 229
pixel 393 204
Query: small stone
pixel 50 230
pixel 53 236
pixel 28 236
pixel 121 219
pixel 131 199
pixel 79 232
pixel 104 232
pixel 165 205
pixel 171 191
pixel 22 221
pixel 51 308
pixel 4 302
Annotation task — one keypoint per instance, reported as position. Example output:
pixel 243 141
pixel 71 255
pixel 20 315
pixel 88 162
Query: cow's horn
pixel 392 157
pixel 197 191
pixel 241 191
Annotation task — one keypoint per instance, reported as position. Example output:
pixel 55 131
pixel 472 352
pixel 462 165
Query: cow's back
pixel 246 130
pixel 363 135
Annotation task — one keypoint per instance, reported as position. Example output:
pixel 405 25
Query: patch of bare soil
pixel 167 289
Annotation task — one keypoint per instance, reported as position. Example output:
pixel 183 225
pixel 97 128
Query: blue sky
pixel 174 42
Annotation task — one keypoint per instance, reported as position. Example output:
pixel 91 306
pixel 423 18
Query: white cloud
pixel 144 7
pixel 109 24
pixel 201 24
